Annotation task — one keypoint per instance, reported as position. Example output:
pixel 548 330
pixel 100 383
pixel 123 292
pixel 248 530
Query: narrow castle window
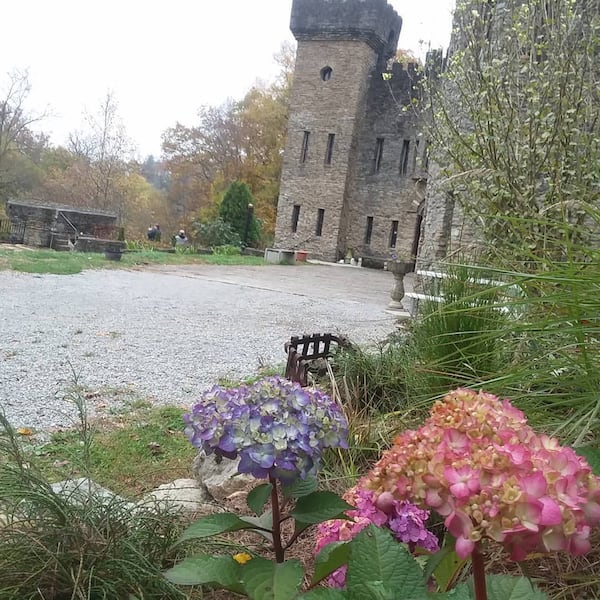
pixel 404 157
pixel 378 154
pixel 329 151
pixel 304 151
pixel 426 156
pixel 369 231
pixel 416 161
pixel 326 73
pixel 394 234
pixel 320 218
pixel 295 217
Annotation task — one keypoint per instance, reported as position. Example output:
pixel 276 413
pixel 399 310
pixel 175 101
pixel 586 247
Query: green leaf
pixel 324 594
pixel 213 525
pixel 445 566
pixel 257 498
pixel 265 521
pixel 330 558
pixel 216 571
pixel 376 557
pixel 375 590
pixel 460 592
pixel 267 580
pixel 300 487
pixel 592 455
pixel 318 507
pixel 505 587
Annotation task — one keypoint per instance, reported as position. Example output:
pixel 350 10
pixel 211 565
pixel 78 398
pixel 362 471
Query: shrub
pixel 57 545
pixel 227 250
pixel 234 211
pixel 216 233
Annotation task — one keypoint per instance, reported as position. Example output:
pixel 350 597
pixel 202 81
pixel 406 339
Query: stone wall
pixel 390 174
pixel 377 174
pixel 322 108
pixel 43 223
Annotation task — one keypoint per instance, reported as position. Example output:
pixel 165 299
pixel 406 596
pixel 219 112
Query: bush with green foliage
pixel 234 210
pixel 215 233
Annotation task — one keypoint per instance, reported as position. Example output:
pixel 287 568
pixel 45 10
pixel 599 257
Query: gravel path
pixel 166 333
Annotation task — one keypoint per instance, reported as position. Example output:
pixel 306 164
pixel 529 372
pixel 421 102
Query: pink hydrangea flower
pixel 479 465
pixel 405 520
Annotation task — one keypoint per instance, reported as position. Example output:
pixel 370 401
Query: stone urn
pixel 399 269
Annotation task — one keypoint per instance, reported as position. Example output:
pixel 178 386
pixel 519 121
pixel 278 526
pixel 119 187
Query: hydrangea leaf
pixel 444 566
pixel 460 592
pixel 324 594
pixel 505 587
pixel 331 557
pixel 264 522
pixel 213 525
pixel 375 590
pixel 318 507
pixel 300 488
pixel 376 556
pixel 267 580
pixel 215 571
pixel 257 498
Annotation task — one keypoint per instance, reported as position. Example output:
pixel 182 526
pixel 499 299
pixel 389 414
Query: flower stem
pixel 277 545
pixel 478 574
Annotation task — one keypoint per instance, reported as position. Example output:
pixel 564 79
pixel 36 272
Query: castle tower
pixel 342 46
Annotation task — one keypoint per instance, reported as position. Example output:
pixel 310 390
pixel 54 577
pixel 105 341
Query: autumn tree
pixel 103 149
pixel 240 140
pixel 19 146
pixel 516 121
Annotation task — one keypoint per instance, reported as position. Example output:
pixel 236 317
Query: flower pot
pixel 301 255
pixel 113 254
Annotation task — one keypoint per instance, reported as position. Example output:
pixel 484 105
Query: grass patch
pixel 131 453
pixel 69 263
pixel 61 546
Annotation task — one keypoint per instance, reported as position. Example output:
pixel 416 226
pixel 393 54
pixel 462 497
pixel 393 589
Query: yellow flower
pixel 242 557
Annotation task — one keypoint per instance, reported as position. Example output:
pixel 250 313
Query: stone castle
pixel 355 163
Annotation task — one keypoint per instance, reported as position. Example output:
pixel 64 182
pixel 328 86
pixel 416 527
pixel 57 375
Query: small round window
pixel 326 73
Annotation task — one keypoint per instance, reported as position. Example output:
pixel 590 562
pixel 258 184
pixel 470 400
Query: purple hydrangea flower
pixel 276 427
pixel 406 521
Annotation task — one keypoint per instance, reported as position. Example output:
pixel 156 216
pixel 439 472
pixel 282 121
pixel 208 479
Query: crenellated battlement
pixel 374 22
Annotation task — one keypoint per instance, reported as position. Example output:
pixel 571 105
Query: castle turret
pixel 341 45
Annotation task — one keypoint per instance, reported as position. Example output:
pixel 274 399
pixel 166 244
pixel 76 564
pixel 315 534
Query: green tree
pixel 237 211
pixel 516 124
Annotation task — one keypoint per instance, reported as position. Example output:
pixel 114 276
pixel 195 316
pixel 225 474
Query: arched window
pixel 326 73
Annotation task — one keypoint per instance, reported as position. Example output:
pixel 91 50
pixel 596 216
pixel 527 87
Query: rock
pixel 220 476
pixel 83 490
pixel 181 495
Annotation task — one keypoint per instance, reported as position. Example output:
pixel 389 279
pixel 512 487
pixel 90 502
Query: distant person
pixel 154 233
pixel 181 238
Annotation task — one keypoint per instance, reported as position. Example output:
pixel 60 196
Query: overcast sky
pixel 161 60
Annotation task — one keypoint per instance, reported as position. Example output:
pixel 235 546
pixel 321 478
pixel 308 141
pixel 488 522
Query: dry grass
pixel 560 575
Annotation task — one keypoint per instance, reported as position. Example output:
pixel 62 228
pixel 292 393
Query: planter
pixel 113 254
pixel 301 255
pixel 399 267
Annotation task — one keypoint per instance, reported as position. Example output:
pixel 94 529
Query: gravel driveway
pixel 166 333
